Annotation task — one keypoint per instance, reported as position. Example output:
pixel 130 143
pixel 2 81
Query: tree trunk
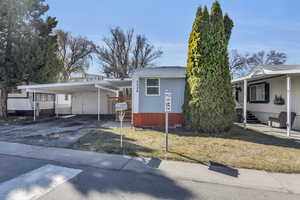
pixel 3 103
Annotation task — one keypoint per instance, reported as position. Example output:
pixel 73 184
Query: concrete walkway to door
pixel 262 180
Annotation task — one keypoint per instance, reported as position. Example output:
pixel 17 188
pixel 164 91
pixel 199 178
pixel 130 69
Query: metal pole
pixel 34 99
pixel 56 99
pixel 167 131
pixel 98 104
pixel 288 123
pixel 121 129
pixel 245 102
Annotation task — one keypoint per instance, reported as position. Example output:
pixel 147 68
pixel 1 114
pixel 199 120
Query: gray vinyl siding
pixel 155 104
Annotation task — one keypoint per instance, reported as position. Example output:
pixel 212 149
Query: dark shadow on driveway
pixel 158 187
pixel 97 182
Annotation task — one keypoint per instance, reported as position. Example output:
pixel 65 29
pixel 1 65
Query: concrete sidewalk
pixel 177 170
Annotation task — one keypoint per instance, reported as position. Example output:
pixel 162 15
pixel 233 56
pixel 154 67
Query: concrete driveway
pixel 60 132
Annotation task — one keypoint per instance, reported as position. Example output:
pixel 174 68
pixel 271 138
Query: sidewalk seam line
pixel 282 185
pixel 125 164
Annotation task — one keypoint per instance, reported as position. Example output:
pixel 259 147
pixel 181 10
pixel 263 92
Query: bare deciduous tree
pixel 239 63
pixel 74 52
pixel 123 52
pixel 242 64
pixel 268 58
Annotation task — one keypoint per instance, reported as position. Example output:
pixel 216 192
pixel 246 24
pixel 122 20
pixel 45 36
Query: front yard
pixel 239 148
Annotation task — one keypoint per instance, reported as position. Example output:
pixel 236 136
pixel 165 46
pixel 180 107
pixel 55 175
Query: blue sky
pixel 259 24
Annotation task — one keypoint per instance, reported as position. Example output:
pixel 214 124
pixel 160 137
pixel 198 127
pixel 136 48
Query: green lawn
pixel 237 148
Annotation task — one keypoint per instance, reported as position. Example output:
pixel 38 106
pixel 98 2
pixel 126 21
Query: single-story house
pixel 144 94
pixel 268 91
pixel 149 86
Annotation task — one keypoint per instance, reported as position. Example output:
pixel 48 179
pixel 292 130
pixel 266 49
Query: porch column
pixel 132 104
pixel 56 100
pixel 245 101
pixel 34 104
pixel 288 103
pixel 98 102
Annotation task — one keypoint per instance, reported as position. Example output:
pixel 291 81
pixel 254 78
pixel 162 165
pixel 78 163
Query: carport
pixel 94 94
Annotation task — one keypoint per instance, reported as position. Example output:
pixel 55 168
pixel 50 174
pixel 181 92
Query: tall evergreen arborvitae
pixel 209 105
pixel 194 35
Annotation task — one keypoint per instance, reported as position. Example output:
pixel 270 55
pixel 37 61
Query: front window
pixel 259 93
pixel 152 87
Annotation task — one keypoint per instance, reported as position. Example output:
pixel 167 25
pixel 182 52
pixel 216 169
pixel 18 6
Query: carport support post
pixel 56 100
pixel 245 101
pixel 98 104
pixel 288 123
pixel 34 102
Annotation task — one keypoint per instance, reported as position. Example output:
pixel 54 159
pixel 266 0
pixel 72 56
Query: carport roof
pixel 72 87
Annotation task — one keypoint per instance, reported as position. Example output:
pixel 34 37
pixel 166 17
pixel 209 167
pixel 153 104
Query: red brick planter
pixel 156 119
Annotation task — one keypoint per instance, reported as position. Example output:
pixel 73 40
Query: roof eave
pixel 266 73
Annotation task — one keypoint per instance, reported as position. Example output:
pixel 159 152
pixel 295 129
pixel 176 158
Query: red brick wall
pixel 156 119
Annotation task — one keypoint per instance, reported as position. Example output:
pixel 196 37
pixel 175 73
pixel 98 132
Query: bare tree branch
pixel 241 65
pixel 74 52
pixel 122 53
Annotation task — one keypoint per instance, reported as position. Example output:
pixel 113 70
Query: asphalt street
pixel 93 184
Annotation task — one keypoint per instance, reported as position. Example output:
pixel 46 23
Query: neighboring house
pixel 20 102
pixel 80 77
pixel 144 94
pixel 269 90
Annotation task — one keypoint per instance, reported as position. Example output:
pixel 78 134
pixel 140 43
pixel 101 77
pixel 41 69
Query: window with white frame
pixel 259 93
pixel 152 87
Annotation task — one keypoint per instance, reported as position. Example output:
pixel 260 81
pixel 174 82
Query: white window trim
pixel 146 93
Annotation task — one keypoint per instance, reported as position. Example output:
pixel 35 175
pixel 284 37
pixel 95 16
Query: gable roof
pixel 161 72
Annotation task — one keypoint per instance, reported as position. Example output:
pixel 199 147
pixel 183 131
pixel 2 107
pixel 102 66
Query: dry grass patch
pixel 237 148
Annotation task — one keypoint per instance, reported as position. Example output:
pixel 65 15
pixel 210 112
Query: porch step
pixel 252 119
